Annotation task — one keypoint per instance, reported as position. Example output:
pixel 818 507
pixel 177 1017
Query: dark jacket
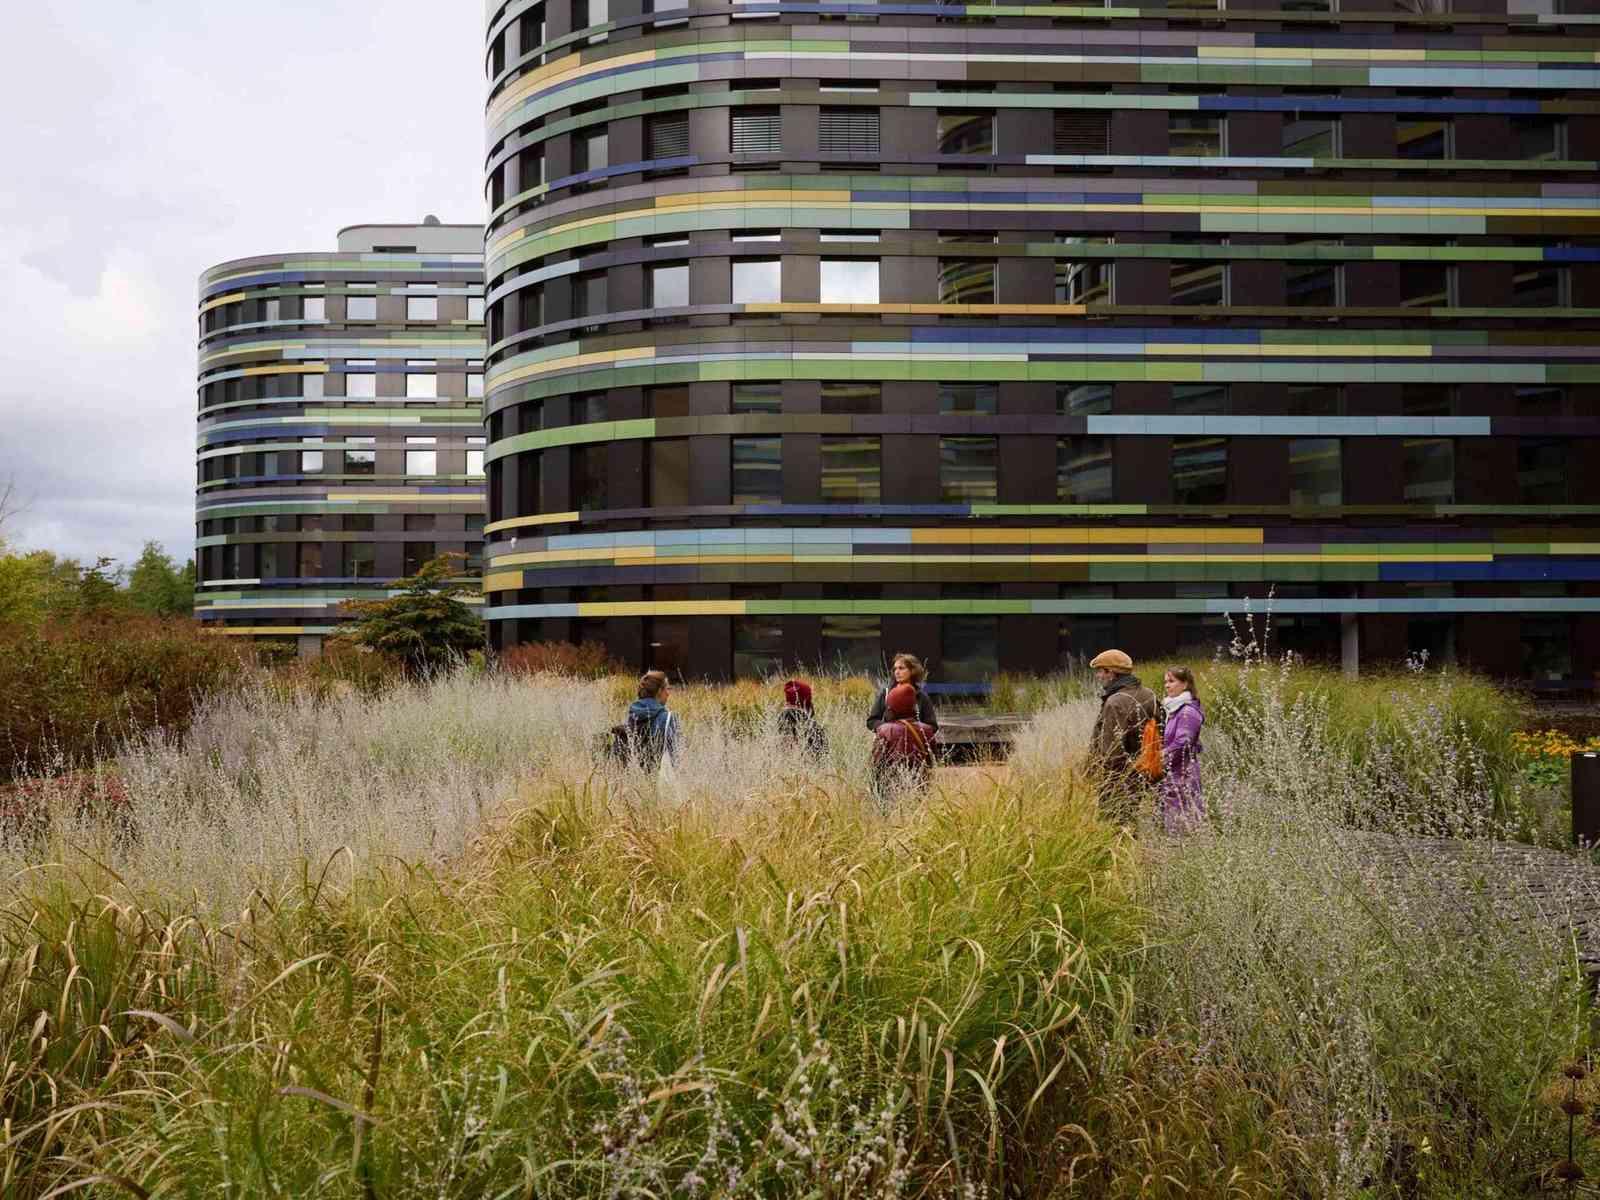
pixel 925 710
pixel 800 727
pixel 1125 706
pixel 657 730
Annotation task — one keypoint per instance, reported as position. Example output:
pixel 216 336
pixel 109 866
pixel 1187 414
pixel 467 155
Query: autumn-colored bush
pixel 70 693
pixel 588 660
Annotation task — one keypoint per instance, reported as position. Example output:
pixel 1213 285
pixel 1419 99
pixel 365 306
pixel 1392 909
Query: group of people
pixel 1140 745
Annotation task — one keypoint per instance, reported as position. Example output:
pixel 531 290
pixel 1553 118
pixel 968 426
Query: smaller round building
pixel 340 425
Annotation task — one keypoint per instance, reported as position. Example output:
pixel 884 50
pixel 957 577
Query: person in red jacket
pixel 903 747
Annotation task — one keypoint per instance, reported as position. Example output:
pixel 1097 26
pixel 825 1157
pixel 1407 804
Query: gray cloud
pixel 146 140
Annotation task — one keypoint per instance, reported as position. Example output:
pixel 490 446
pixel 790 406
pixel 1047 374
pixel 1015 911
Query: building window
pixel 363 461
pixel 968 470
pixel 852 469
pixel 1083 470
pixel 475 463
pixel 309 560
pixel 1080 131
pixel 1311 135
pixel 1200 470
pixel 1196 283
pixel 421 461
pixel 969 649
pixel 591 472
pixel 978 398
pixel 1547 648
pixel 590 152
pixel 852 645
pixel 314 308
pixel 1430 470
pixel 757 470
pixel 1424 137
pixel 757 131
pixel 841 397
pixel 853 131
pixel 966 281
pixel 530 30
pixel 360 560
pixel 586 13
pixel 669 286
pixel 1192 135
pixel 1314 400
pixel 757 647
pixel 1536 285
pixel 589 296
pixel 1200 399
pixel 420 522
pixel 418 555
pixel 1313 283
pixel 530 168
pixel 1426 285
pixel 421 384
pixel 475 386
pixel 757 281
pixel 361 308
pixel 966 133
pixel 1539 137
pixel 1083 282
pixel 669 136
pixel 475 309
pixel 1082 399
pixel 757 398
pixel 422 308
pixel 849 281
pixel 669 473
pixel 310 460
pixel 1542 465
pixel 1316 472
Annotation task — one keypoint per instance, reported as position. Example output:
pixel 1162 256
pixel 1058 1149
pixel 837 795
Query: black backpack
pixel 636 740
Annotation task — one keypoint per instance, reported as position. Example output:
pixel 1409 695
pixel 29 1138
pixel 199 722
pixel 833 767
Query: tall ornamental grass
pixel 744 980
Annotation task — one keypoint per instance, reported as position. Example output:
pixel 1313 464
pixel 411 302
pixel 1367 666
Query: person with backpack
pixel 1183 808
pixel 797 723
pixel 650 734
pixel 1127 720
pixel 902 746
pixel 906 669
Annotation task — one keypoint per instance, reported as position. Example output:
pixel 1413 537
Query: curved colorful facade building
pixel 340 438
pixel 1000 333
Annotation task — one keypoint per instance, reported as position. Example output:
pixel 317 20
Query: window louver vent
pixel 757 132
pixel 1080 133
pixel 669 137
pixel 849 131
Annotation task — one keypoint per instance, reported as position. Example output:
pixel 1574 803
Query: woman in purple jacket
pixel 1183 808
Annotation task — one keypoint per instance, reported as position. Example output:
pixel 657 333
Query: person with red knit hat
pixel 798 724
pixel 902 746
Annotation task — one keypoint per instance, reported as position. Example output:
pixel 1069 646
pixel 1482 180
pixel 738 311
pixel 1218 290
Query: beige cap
pixel 1111 660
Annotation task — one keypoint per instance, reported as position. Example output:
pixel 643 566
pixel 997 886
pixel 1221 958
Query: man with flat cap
pixel 1125 706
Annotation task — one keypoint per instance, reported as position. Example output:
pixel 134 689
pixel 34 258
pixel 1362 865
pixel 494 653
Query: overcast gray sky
pixel 144 140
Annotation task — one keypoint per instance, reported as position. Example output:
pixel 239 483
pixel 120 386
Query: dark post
pixel 1586 798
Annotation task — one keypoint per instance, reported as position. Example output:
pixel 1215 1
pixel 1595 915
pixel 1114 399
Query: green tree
pixel 156 585
pixel 38 588
pixel 99 589
pixel 426 626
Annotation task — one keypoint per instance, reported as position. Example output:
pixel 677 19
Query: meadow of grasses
pixel 415 939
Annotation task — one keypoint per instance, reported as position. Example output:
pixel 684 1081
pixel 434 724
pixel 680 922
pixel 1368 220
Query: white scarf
pixel 1173 703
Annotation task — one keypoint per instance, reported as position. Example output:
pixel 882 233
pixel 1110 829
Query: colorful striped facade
pixel 340 439
pixel 999 333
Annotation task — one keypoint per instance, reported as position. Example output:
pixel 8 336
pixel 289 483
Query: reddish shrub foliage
pixel 587 661
pixel 69 694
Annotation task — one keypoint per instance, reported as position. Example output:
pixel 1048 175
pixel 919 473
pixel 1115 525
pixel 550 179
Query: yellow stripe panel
pixel 502 581
pixel 221 300
pixel 256 630
pixel 524 522
pixel 712 560
pixel 665 608
pixel 288 369
pixel 599 358
pixel 956 537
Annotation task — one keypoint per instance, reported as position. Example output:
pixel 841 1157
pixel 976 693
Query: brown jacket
pixel 1125 706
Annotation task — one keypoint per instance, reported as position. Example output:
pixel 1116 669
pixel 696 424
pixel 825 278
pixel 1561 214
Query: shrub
pixel 589 660
pixel 426 627
pixel 71 693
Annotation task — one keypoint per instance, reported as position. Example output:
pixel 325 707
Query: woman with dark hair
pixel 651 729
pixel 907 671
pixel 1183 808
